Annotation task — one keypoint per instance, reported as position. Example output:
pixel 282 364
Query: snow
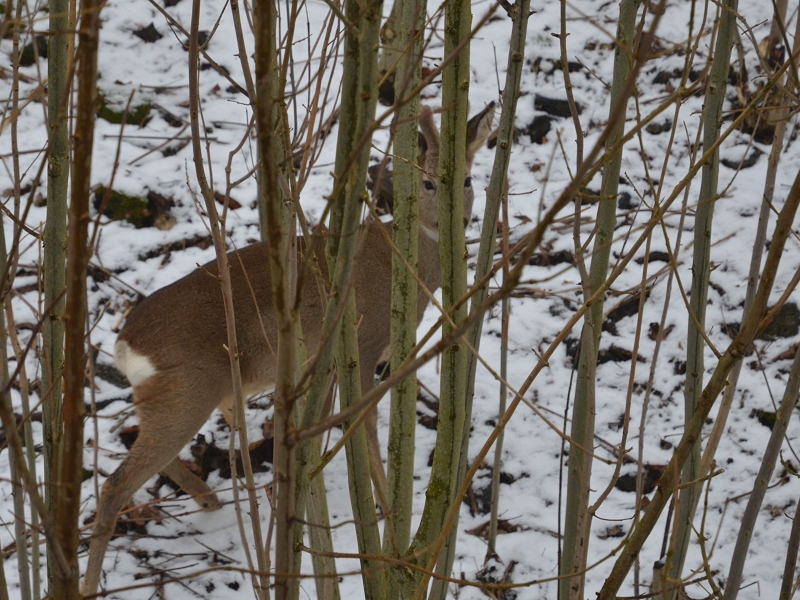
pixel 193 544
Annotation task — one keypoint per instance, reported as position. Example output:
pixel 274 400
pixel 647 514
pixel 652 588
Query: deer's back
pixel 182 325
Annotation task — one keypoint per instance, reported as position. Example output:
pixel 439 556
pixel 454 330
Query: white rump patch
pixel 136 367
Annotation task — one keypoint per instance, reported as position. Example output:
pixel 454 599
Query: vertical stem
pixel 361 499
pixel 394 50
pixel 281 145
pixel 359 99
pixel 761 483
pixel 3 583
pixel 781 114
pixel 18 491
pixel 578 521
pixel 791 557
pixel 286 550
pixel 452 240
pixel 55 243
pixel 16 479
pixel 277 228
pixel 452 252
pixel 351 171
pixel 404 283
pixel 712 120
pixel 319 532
pixel 26 477
pixel 30 451
pixel 494 195
pixel 501 409
pixel 260 580
pixel 78 253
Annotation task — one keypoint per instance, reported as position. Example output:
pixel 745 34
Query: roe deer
pixel 171 348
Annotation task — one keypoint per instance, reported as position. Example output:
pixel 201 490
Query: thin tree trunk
pixel 357 113
pixel 260 579
pixel 409 29
pixel 781 114
pixel 270 80
pixel 351 172
pixel 394 50
pixel 78 253
pixel 791 557
pixel 319 532
pixel 577 522
pixel 494 193
pixel 277 220
pixel 26 477
pixel 55 243
pixel 497 464
pixel 701 268
pixel 452 251
pixel 747 525
pixel 27 434
pixel 3 583
pixel 367 534
pixel 18 491
pixel 16 478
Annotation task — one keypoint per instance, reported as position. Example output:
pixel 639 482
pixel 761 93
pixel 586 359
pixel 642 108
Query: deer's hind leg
pixel 169 418
pixel 192 484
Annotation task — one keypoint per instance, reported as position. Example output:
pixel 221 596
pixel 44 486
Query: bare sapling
pixel 172 348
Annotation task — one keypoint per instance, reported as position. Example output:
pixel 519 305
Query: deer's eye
pixel 428 185
pixel 468 182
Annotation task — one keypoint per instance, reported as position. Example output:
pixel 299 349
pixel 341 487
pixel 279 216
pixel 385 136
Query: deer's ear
pixel 479 128
pixel 423 144
pixel 429 137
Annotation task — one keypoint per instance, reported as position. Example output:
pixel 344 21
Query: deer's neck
pixel 430 266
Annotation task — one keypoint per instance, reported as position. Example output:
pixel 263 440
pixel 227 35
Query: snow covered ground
pixel 193 541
